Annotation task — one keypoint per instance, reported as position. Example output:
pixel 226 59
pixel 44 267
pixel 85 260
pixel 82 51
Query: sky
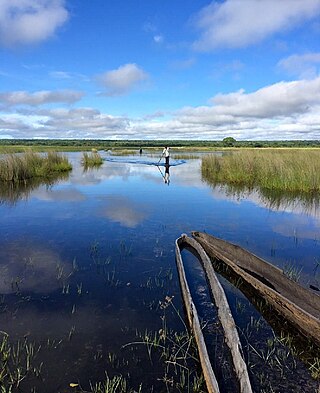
pixel 151 69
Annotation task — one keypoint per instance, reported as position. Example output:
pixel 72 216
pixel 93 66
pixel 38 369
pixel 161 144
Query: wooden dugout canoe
pixel 208 373
pixel 299 306
pixel 229 328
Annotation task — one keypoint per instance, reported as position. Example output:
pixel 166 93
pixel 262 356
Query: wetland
pixel 89 293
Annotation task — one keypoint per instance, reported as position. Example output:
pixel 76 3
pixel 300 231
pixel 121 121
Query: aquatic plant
pixel 176 350
pixel 314 368
pixel 90 160
pixel 16 362
pixel 117 384
pixel 292 271
pixel 30 165
pixel 292 170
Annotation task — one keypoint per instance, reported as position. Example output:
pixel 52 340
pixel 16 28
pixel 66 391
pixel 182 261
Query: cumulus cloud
pixel 303 66
pixel 64 123
pixel 236 24
pixel 8 124
pixel 277 100
pixel 122 80
pixel 15 98
pixel 30 21
pixel 284 110
pixel 87 120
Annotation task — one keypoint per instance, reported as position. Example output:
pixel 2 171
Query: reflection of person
pixel 167 175
pixel 166 154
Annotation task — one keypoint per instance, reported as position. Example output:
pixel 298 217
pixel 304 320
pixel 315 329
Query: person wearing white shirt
pixel 166 154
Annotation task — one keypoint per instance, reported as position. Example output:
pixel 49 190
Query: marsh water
pixel 87 271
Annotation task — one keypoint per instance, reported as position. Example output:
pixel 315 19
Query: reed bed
pixel 292 170
pixel 30 165
pixel 124 152
pixel 92 159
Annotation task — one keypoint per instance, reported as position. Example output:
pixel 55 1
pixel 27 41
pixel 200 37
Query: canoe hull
pixel 299 306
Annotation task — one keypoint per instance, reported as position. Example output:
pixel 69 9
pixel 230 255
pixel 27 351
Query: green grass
pixel 92 159
pixel 125 152
pixel 41 148
pixel 290 170
pixel 30 165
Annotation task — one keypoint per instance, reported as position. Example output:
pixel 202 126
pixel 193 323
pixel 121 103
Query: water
pixel 87 262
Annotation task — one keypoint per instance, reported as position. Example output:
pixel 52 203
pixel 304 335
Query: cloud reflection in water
pixel 124 211
pixel 31 268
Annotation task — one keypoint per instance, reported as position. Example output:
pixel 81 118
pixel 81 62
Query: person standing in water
pixel 166 155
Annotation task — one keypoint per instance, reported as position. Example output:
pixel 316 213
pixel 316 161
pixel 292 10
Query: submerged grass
pixel 16 363
pixel 30 165
pixel 90 160
pixel 290 170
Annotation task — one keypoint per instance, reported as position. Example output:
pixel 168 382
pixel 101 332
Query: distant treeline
pixel 109 144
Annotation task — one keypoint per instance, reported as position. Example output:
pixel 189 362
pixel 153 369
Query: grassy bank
pixel 291 170
pixel 30 165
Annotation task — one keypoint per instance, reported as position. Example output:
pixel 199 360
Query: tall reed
pixel 92 159
pixel 292 170
pixel 29 165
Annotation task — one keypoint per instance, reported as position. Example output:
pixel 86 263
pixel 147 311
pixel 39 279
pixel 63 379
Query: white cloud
pixel 303 66
pixel 278 100
pixel 87 121
pixel 158 39
pixel 236 23
pixel 122 80
pixel 30 21
pixel 154 115
pixel 284 110
pixel 39 97
pixel 64 123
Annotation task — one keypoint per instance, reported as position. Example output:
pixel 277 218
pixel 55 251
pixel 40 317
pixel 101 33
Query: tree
pixel 228 141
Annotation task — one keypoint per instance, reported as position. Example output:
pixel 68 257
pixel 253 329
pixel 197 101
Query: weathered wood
pixel 225 316
pixel 211 381
pixel 296 304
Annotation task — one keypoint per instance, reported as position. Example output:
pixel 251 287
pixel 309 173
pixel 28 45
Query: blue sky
pixel 146 69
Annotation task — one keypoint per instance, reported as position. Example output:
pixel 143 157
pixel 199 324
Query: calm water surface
pixel 86 261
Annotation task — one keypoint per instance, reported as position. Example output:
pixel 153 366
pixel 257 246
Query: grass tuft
pixel 30 165
pixel 91 160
